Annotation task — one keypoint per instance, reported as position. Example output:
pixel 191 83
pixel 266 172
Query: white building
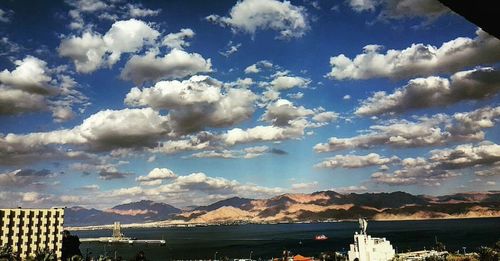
pixel 366 248
pixel 29 230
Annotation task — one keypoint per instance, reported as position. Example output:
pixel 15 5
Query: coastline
pixel 165 224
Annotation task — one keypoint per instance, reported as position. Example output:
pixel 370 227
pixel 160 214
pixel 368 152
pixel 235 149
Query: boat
pixel 320 237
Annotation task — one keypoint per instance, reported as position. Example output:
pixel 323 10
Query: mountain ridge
pixel 299 207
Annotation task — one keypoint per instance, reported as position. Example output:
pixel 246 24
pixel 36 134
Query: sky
pixel 104 102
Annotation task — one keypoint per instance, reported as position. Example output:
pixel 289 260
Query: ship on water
pixel 320 237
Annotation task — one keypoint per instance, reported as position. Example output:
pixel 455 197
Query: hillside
pixel 317 206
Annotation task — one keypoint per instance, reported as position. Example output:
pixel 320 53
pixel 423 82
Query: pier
pixel 118 237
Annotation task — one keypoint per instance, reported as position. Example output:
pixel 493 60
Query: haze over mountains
pixel 317 206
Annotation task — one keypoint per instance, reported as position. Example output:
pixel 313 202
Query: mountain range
pixel 317 206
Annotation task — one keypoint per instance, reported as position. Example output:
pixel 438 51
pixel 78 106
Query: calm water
pixel 268 241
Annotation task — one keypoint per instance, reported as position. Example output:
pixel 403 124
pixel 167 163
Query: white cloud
pixel 252 69
pixel 196 103
pixel 346 97
pixel 325 116
pixel 296 96
pixel 418 59
pixel 443 164
pixel 30 75
pixel 195 188
pixel 91 51
pixel 282 112
pixel 439 129
pixel 30 87
pixel 230 49
pixel 265 133
pixel 251 15
pixel 284 82
pixel 362 5
pixel 490 171
pixel 258 66
pixel 156 176
pixel 305 185
pixel 200 141
pixel 105 130
pixel 14 102
pixel 176 64
pixel 467 155
pixel 178 40
pixel 247 153
pixel 351 189
pixel 356 161
pixel 138 11
pixel 479 83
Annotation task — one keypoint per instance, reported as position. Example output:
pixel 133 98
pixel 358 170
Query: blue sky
pixel 186 102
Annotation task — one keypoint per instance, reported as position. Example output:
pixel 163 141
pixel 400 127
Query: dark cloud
pixel 109 175
pixel 278 151
pixel 476 84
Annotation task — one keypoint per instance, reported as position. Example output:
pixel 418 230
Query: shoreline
pixel 163 224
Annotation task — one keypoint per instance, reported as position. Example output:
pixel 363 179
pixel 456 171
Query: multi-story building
pixel 367 248
pixel 27 231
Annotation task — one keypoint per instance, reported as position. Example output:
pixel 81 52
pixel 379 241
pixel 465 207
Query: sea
pixel 270 240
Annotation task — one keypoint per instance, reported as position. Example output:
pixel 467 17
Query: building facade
pixel 28 230
pixel 367 248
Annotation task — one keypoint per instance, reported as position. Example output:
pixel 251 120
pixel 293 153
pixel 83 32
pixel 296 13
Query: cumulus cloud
pixel 183 189
pixel 427 131
pixel 31 75
pixel 356 161
pixel 176 64
pixel 178 40
pixel 476 84
pixel 13 102
pixel 325 116
pixel 443 164
pixel 92 51
pixel 467 155
pixel 246 153
pixel 285 82
pixel 248 16
pixel 258 66
pixel 415 171
pixel 105 130
pixel 418 59
pixel 156 176
pixel 489 171
pixel 32 87
pixel 196 103
pixel 200 141
pixel 294 130
pixel 282 112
